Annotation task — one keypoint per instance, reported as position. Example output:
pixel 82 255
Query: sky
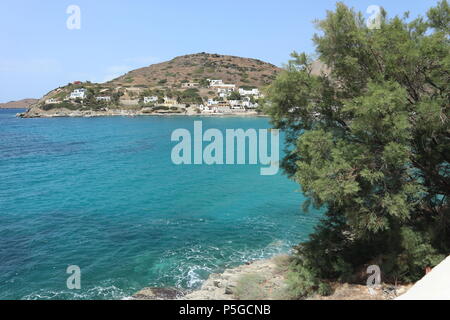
pixel 38 52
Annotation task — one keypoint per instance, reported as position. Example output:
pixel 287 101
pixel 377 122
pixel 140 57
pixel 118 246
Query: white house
pixel 215 83
pixel 224 92
pixel 51 101
pixel 230 87
pixel 220 84
pixel 151 99
pixel 221 108
pixel 78 94
pixel 170 101
pixel 247 103
pixel 236 104
pixel 190 85
pixel 212 102
pixel 105 98
pixel 206 109
pixel 251 92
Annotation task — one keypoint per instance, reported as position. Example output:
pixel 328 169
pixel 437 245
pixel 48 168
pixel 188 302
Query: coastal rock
pixel 159 294
pixel 265 280
pixel 223 286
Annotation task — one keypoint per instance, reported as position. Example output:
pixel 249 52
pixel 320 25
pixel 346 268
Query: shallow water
pixel 103 194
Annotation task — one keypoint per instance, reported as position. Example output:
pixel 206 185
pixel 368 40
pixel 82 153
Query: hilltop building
pixel 188 85
pixel 52 101
pixel 151 99
pixel 221 84
pixel 78 94
pixel 251 92
pixel 104 98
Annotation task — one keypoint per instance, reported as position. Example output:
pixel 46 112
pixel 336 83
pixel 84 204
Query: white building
pixel 221 108
pixel 78 94
pixel 236 104
pixel 151 99
pixel 214 83
pixel 170 101
pixel 104 98
pixel 252 92
pixel 52 101
pixel 247 103
pixel 224 92
pixel 212 102
pixel 220 84
pixel 206 109
pixel 190 85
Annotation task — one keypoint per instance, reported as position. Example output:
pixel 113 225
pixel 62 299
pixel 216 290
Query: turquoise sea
pixel 103 194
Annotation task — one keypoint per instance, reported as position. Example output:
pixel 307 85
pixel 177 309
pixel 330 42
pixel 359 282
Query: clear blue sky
pixel 38 52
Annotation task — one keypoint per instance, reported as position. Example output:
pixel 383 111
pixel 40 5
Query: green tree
pixel 368 139
pixel 234 95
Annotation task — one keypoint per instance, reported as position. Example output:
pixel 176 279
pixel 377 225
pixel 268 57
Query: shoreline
pixel 222 286
pixel 265 280
pixel 31 114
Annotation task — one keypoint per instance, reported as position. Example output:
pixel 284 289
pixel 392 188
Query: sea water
pixel 104 195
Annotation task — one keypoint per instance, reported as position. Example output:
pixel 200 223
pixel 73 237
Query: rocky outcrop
pixel 265 280
pixel 159 294
pixel 55 113
pixel 223 286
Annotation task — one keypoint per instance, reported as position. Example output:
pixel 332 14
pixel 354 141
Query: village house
pixel 206 109
pixel 251 92
pixel 236 104
pixel 224 92
pixel 104 98
pixel 214 83
pixel 52 101
pixel 188 85
pixel 222 107
pixel 169 102
pixel 220 84
pixel 247 103
pixel 212 102
pixel 151 99
pixel 78 94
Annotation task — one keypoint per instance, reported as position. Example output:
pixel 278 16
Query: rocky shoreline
pixel 264 280
pixel 65 113
pixel 221 286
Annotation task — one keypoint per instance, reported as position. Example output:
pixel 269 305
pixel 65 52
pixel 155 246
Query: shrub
pixel 301 282
pixel 249 287
pixel 324 289
pixel 62 105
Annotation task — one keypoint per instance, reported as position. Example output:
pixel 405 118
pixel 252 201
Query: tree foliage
pixel 369 140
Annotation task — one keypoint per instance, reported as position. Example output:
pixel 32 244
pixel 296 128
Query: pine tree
pixel 368 139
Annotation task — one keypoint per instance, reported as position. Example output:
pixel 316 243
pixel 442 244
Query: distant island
pixel 196 84
pixel 19 104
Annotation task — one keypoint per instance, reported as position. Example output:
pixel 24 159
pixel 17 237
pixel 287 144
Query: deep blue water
pixel 103 194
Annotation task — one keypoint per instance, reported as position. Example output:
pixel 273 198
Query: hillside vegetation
pixel 199 67
pixel 166 83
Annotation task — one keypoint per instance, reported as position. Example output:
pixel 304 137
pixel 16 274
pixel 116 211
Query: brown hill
pixel 199 67
pixel 20 104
